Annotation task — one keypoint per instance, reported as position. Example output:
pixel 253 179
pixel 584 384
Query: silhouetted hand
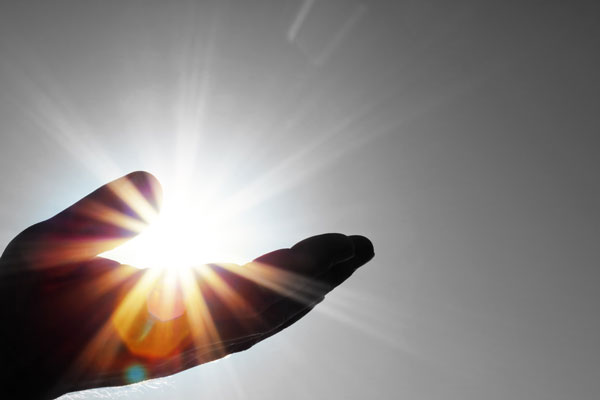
pixel 72 320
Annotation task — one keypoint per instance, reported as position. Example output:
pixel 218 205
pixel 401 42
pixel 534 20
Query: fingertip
pixel 364 252
pixel 148 185
pixel 363 248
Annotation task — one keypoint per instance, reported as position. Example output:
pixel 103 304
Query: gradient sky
pixel 461 137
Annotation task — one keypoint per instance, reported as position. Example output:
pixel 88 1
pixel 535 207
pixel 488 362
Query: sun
pixel 182 235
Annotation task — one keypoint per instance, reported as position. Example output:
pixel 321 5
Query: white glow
pixel 183 235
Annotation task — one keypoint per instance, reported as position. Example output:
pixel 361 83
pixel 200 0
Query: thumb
pixel 102 220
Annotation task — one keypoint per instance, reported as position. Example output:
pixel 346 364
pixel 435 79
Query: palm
pixel 79 321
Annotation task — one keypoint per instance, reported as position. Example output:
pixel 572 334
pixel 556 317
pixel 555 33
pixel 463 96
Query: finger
pixel 326 249
pixel 290 261
pixel 99 222
pixel 238 297
pixel 293 275
pixel 290 309
pixel 116 210
pixel 285 270
pixel 338 273
pixel 232 291
pixel 285 284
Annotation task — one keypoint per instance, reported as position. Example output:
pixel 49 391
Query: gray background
pixel 459 136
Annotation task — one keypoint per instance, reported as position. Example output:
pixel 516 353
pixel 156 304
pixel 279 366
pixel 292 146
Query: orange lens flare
pixel 149 318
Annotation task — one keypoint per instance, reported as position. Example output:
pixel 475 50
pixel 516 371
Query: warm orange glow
pixel 165 301
pixel 143 332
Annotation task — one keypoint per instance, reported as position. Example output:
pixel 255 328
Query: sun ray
pixel 286 283
pixel 102 213
pixel 132 305
pixel 130 194
pixel 196 57
pixel 239 306
pixel 203 329
pixel 354 309
pixel 55 114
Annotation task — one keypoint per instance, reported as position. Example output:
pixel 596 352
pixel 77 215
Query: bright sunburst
pixel 182 235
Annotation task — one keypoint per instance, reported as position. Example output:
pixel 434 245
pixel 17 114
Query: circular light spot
pixel 135 373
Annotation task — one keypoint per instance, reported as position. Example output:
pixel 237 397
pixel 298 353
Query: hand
pixel 72 320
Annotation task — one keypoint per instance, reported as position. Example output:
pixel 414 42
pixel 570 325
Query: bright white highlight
pixel 182 235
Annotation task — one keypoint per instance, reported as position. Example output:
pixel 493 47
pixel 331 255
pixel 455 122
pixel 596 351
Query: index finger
pixel 102 220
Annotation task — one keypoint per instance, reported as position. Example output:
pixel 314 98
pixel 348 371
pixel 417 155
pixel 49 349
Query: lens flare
pixel 135 373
